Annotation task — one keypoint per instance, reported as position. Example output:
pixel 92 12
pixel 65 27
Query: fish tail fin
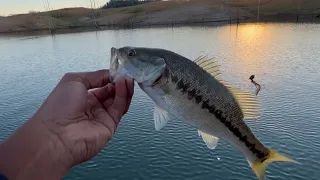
pixel 259 167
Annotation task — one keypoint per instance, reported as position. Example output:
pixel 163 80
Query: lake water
pixel 284 57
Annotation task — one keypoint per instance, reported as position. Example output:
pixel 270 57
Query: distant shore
pixel 159 14
pixel 76 29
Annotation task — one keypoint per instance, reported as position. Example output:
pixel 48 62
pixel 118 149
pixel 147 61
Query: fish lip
pixel 114 63
pixel 114 53
pixel 114 58
pixel 113 50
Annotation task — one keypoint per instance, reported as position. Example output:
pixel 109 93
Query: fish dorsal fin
pixel 248 103
pixel 211 141
pixel 161 117
pixel 209 65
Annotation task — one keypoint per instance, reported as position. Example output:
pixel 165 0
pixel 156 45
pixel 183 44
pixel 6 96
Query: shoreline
pixel 161 14
pixel 79 29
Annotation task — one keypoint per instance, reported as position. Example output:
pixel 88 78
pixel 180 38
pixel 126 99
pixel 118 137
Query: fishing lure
pixel 258 87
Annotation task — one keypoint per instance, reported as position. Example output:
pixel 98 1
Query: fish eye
pixel 131 53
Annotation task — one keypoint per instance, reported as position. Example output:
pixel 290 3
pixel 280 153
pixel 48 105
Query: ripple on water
pixel 283 56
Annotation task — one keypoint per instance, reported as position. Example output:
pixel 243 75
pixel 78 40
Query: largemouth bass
pixel 193 92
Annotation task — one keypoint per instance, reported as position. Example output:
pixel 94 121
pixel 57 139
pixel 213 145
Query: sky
pixel 8 7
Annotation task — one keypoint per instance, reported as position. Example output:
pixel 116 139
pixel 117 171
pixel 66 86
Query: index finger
pixel 90 80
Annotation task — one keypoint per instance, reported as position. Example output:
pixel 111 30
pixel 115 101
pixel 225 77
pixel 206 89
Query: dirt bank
pixel 165 13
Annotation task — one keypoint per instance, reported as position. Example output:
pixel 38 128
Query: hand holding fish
pixel 74 123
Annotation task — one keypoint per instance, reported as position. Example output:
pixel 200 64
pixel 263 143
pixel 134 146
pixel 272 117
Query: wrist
pixel 33 152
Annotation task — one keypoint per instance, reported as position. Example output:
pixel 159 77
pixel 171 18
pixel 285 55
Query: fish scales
pixel 190 79
pixel 192 92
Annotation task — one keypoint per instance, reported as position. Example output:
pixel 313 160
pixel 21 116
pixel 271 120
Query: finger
pixel 104 93
pixel 104 118
pixel 102 98
pixel 90 80
pixel 130 88
pixel 117 109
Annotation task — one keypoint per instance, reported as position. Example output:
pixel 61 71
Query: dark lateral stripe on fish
pixel 191 94
pixel 183 87
pixel 243 138
pixel 198 98
pixel 174 78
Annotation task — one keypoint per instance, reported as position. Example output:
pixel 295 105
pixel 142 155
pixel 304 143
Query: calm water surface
pixel 284 57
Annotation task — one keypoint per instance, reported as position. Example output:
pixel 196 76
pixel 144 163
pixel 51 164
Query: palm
pixel 92 116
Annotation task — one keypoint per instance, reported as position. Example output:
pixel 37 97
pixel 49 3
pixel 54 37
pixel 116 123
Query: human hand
pixel 86 120
pixel 75 122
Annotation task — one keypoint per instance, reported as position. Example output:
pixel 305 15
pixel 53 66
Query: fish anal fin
pixel 211 141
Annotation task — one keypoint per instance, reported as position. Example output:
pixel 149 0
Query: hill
pixel 166 13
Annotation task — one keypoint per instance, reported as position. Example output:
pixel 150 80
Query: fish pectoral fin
pixel 160 117
pixel 211 141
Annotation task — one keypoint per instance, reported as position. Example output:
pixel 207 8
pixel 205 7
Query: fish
pixel 193 91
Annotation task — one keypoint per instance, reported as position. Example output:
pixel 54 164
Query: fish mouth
pixel 114 64
pixel 118 67
pixel 114 61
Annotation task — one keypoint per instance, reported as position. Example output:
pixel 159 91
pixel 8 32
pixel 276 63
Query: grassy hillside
pixel 166 13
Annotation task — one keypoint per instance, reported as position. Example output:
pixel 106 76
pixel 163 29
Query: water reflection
pixel 249 47
pixel 284 58
pixel 250 40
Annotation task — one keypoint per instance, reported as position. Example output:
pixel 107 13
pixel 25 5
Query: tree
pixel 125 3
